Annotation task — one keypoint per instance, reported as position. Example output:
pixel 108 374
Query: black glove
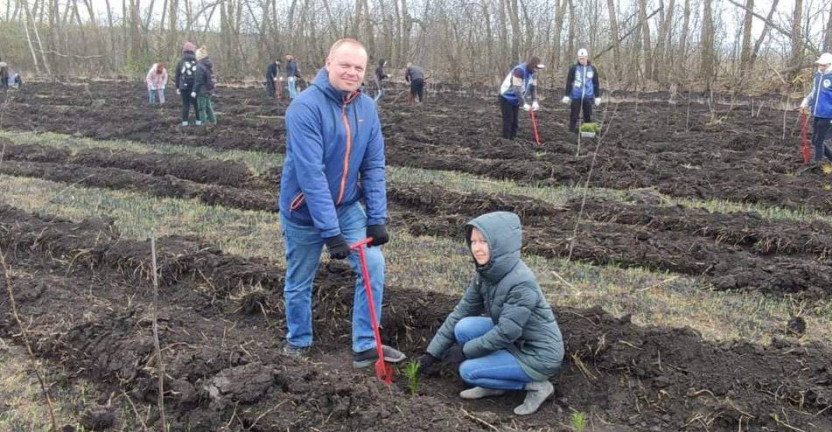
pixel 379 234
pixel 455 354
pixel 425 362
pixel 337 246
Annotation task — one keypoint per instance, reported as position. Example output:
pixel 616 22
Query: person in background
pixel 292 74
pixel 273 79
pixel 184 80
pixel 818 103
pixel 157 79
pixel 380 76
pixel 415 75
pixel 519 88
pixel 4 74
pixel 15 80
pixel 583 90
pixel 204 87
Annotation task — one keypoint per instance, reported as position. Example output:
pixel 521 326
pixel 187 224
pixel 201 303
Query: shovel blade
pixel 384 371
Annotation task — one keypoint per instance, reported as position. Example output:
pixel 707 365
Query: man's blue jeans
pixel 303 254
pixel 498 370
pixel 293 90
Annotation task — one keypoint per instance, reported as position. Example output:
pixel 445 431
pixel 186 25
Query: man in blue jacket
pixel 583 90
pixel 819 104
pixel 334 161
pixel 292 74
pixel 519 87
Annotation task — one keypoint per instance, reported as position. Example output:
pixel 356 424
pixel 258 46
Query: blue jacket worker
pixel 292 74
pixel 583 90
pixel 415 75
pixel 819 104
pixel 332 192
pixel 502 330
pixel 519 88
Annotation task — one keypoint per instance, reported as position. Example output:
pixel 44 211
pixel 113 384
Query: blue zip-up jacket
pixel 291 68
pixel 334 157
pixel 515 95
pixel 582 82
pixel 820 98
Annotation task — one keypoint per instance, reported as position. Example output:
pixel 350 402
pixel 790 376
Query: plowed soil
pixel 683 150
pixel 221 337
pixel 86 291
pixel 733 251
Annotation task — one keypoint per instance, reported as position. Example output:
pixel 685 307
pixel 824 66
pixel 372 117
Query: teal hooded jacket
pixel 506 290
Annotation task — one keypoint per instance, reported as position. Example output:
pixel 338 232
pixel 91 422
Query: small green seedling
pixel 411 371
pixel 590 127
pixel 578 421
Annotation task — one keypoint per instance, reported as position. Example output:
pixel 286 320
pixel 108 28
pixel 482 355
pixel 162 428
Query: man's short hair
pixel 345 41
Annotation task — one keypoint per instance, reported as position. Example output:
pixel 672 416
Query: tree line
pixel 738 45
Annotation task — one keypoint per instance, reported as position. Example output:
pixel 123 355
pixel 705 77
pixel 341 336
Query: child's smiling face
pixel 479 247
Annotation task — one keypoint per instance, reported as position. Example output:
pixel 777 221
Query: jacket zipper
pixel 296 201
pixel 817 95
pixel 346 121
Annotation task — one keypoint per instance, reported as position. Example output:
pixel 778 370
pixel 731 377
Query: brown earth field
pixel 733 250
pixel 85 291
pixel 748 153
pixel 224 368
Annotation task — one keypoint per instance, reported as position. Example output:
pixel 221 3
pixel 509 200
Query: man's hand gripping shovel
pixel 384 371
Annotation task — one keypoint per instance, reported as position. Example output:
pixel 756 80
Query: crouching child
pixel 503 330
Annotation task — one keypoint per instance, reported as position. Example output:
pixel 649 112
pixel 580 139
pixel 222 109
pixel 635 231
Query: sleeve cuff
pixel 330 232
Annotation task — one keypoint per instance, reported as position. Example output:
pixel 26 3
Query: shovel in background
pixel 804 134
pixel 534 127
pixel 384 371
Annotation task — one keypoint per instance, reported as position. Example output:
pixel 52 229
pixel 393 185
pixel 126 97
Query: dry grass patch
pixel 440 264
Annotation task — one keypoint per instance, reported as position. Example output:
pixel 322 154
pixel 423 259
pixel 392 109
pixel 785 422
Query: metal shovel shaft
pixel 804 135
pixel 534 127
pixel 382 370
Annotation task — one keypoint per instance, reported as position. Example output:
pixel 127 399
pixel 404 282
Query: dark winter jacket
pixel 272 72
pixel 506 291
pixel 186 72
pixel 380 75
pixel 820 98
pixel 414 73
pixel 292 69
pixel 204 82
pixel 333 144
pixel 582 82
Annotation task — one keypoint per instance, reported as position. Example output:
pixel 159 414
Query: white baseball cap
pixel 824 59
pixel 583 52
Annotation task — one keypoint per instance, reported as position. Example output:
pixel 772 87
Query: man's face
pixel 346 67
pixel 822 67
pixel 582 60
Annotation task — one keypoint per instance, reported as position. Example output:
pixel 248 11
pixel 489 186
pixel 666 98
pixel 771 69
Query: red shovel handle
pixel 534 127
pixel 804 135
pixel 383 371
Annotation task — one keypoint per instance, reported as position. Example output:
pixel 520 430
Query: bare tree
pixel 745 52
pixel 827 40
pixel 707 62
pixel 645 35
pixel 797 35
pixel 616 57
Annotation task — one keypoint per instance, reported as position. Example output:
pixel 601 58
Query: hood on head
pixel 504 235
